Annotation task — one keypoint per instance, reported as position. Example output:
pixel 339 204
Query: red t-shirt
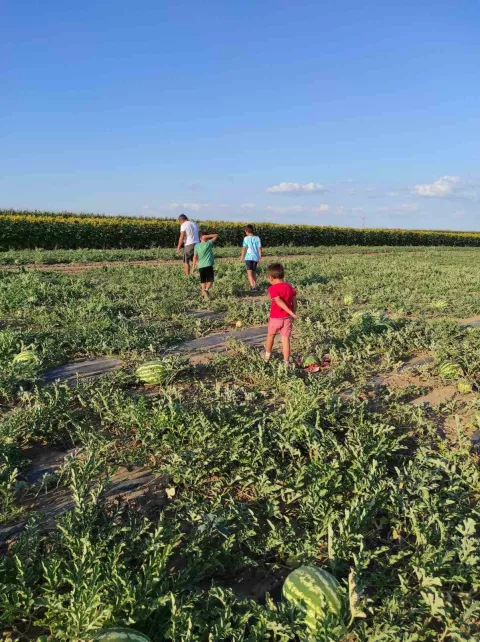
pixel 286 292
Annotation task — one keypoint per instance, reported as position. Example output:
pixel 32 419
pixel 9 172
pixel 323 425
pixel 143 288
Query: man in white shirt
pixel 188 239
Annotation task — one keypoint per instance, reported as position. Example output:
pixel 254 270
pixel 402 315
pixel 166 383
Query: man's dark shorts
pixel 188 253
pixel 251 265
pixel 206 274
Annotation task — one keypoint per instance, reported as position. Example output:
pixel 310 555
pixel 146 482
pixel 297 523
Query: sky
pixel 328 113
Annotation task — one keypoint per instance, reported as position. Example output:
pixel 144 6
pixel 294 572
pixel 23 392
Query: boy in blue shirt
pixel 251 254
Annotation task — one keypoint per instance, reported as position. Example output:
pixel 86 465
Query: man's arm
pixel 180 241
pixel 281 304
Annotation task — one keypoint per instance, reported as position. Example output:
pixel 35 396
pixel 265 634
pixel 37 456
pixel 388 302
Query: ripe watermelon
pixel 348 299
pixel 449 370
pixel 440 305
pixel 314 591
pixel 27 357
pixel 310 360
pixel 153 372
pixel 120 634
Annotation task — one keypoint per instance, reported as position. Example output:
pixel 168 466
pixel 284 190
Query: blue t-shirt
pixel 252 243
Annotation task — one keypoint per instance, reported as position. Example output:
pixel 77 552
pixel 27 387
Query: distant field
pixel 51 257
pixel 66 230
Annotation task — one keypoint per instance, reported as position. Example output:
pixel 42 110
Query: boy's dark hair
pixel 276 271
pixel 203 233
pixel 248 228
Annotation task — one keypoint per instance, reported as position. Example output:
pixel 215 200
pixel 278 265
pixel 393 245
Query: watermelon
pixel 348 299
pixel 27 357
pixel 464 387
pixel 314 592
pixel 153 372
pixel 449 370
pixel 440 305
pixel 310 360
pixel 120 634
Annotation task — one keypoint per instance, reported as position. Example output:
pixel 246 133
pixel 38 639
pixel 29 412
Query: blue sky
pixel 338 113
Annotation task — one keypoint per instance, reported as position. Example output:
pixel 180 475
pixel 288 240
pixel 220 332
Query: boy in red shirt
pixel 282 311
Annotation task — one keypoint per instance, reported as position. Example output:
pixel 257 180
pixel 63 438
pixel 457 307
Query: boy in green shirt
pixel 203 257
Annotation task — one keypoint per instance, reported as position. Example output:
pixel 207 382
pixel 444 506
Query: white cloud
pixel 248 206
pixel 320 209
pixel 296 188
pixel 439 189
pixel 402 208
pixel 190 207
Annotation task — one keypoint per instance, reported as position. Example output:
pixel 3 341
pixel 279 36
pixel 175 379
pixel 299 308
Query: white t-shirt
pixel 191 232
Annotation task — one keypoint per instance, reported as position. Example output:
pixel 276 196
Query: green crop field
pixel 179 509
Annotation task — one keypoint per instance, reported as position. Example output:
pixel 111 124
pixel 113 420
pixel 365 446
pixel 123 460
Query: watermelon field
pixel 179 509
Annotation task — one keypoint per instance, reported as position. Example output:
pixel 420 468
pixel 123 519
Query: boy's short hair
pixel 276 271
pixel 202 233
pixel 248 228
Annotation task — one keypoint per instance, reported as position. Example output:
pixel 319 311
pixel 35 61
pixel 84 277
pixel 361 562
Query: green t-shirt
pixel 204 251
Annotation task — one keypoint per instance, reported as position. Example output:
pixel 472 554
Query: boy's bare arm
pixel 195 261
pixel 281 304
pixel 260 253
pixel 294 304
pixel 212 237
pixel 244 249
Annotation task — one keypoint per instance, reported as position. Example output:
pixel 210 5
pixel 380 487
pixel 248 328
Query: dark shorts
pixel 206 274
pixel 251 265
pixel 188 253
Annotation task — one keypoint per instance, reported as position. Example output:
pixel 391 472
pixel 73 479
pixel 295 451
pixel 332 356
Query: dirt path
pixel 74 268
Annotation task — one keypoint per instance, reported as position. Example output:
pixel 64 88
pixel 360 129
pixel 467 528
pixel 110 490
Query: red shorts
pixel 282 326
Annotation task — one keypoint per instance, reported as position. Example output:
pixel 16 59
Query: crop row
pixel 28 230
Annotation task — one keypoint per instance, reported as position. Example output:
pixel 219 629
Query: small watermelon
pixel 27 357
pixel 464 387
pixel 313 591
pixel 449 370
pixel 153 372
pixel 238 324
pixel 348 299
pixel 310 360
pixel 440 305
pixel 120 634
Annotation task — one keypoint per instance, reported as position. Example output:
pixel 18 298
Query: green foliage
pixel 21 230
pixel 259 469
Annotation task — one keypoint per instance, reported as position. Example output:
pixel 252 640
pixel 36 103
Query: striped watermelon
pixel 440 305
pixel 449 370
pixel 152 372
pixel 27 357
pixel 310 360
pixel 314 591
pixel 120 634
pixel 348 299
